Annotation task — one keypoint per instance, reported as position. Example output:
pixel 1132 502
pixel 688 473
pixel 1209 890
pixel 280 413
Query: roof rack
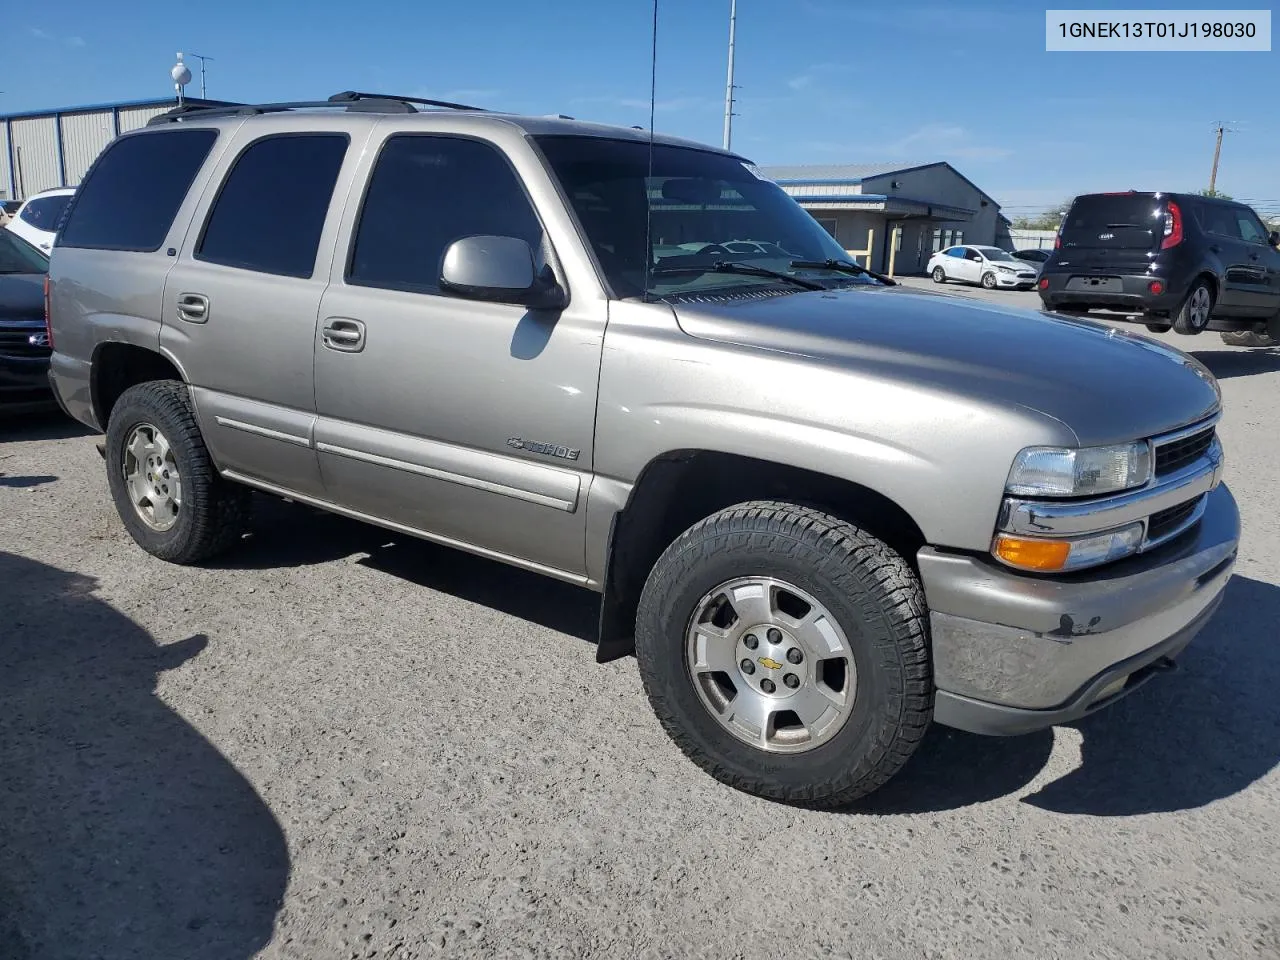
pixel 349 100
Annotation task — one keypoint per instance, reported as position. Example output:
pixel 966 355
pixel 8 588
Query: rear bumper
pixel 1134 294
pixel 1015 653
pixel 70 380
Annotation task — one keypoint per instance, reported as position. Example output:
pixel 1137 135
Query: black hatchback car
pixel 24 339
pixel 1178 260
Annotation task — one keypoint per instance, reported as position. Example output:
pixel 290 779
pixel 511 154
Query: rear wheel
pixel 939 275
pixel 166 489
pixel 1193 316
pixel 989 280
pixel 1249 338
pixel 785 652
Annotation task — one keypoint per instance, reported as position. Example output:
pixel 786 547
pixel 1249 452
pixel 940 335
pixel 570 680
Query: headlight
pixel 1085 472
pixel 1046 555
pixel 1003 269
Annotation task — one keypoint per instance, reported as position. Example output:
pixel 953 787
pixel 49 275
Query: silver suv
pixel 821 509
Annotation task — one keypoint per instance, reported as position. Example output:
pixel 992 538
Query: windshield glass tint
pixel 995 253
pixel 18 256
pixel 706 208
pixel 1127 221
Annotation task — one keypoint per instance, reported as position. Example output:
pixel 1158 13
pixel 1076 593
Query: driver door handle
pixel 193 307
pixel 342 334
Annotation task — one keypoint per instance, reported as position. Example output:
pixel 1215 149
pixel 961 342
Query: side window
pixel 829 226
pixel 972 255
pixel 426 192
pixel 43 213
pixel 1219 220
pixel 134 189
pixel 271 209
pixel 957 252
pixel 1251 229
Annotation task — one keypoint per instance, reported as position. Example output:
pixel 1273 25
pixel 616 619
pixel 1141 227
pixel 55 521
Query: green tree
pixel 1049 219
pixel 1207 192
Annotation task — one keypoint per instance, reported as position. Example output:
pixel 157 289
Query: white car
pixel 989 266
pixel 37 219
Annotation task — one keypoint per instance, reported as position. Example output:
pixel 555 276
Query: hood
pixel 1105 385
pixel 1017 266
pixel 22 296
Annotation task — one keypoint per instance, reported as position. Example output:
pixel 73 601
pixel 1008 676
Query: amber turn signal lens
pixel 1045 555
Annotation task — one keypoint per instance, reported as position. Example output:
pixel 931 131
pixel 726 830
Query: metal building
pixel 41 149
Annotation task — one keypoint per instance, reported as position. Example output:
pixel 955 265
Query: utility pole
pixel 728 85
pixel 1217 152
pixel 202 58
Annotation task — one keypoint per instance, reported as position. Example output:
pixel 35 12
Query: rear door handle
pixel 339 333
pixel 193 307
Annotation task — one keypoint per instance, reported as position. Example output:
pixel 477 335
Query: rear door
pixel 1243 276
pixel 240 303
pixel 1263 262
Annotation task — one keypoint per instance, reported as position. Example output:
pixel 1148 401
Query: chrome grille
pixel 1167 524
pixel 18 343
pixel 1175 454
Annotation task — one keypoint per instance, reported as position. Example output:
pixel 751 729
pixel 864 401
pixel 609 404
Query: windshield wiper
pixel 843 266
pixel 742 269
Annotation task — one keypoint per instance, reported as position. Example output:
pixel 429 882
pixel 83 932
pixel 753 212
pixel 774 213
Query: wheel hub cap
pixel 151 477
pixel 771 664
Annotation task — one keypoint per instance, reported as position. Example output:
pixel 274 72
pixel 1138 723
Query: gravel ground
pixel 337 744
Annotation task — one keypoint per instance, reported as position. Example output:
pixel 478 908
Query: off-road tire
pixel 939 275
pixel 1249 338
pixel 867 587
pixel 1184 321
pixel 214 512
pixel 988 281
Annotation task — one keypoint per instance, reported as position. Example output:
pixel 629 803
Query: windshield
pixel 707 208
pixel 995 253
pixel 1123 221
pixel 18 256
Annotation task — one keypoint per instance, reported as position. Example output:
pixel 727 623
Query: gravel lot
pixel 340 744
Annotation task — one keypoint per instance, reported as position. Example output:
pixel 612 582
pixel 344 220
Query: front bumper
pixel 1015 653
pixel 1013 281
pixel 24 384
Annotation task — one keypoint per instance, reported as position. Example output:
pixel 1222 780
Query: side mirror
pixel 499 270
pixel 1273 238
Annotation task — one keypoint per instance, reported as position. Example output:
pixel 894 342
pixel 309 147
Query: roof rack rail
pixel 350 100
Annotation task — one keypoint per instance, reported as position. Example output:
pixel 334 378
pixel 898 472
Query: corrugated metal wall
pixel 35 149
pixel 4 161
pixel 83 137
pixel 131 118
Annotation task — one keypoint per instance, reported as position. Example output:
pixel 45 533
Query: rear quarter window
pixel 133 191
pixel 43 213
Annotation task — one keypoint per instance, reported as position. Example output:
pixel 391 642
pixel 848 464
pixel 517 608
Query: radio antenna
pixel 648 206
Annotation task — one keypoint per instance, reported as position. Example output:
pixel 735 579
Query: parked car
pixel 24 340
pixel 989 266
pixel 1033 256
pixel 37 219
pixel 7 209
pixel 822 510
pixel 1175 260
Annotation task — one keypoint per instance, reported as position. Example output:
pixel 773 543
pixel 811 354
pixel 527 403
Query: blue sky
pixel 822 81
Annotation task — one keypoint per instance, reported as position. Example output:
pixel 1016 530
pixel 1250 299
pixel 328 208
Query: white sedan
pixel 989 266
pixel 37 220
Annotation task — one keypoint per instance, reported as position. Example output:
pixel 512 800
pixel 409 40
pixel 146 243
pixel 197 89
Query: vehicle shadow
pixel 46 425
pixel 18 483
pixel 1225 364
pixel 1203 734
pixel 123 832
pixel 292 534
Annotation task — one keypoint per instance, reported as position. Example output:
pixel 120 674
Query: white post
pixel 728 86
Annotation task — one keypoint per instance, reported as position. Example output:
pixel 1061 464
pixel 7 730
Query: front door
pixel 240 303
pixel 1263 264
pixel 467 421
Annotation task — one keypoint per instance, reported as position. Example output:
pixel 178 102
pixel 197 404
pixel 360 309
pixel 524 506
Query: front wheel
pixel 939 275
pixel 166 489
pixel 785 652
pixel 1193 315
pixel 988 281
